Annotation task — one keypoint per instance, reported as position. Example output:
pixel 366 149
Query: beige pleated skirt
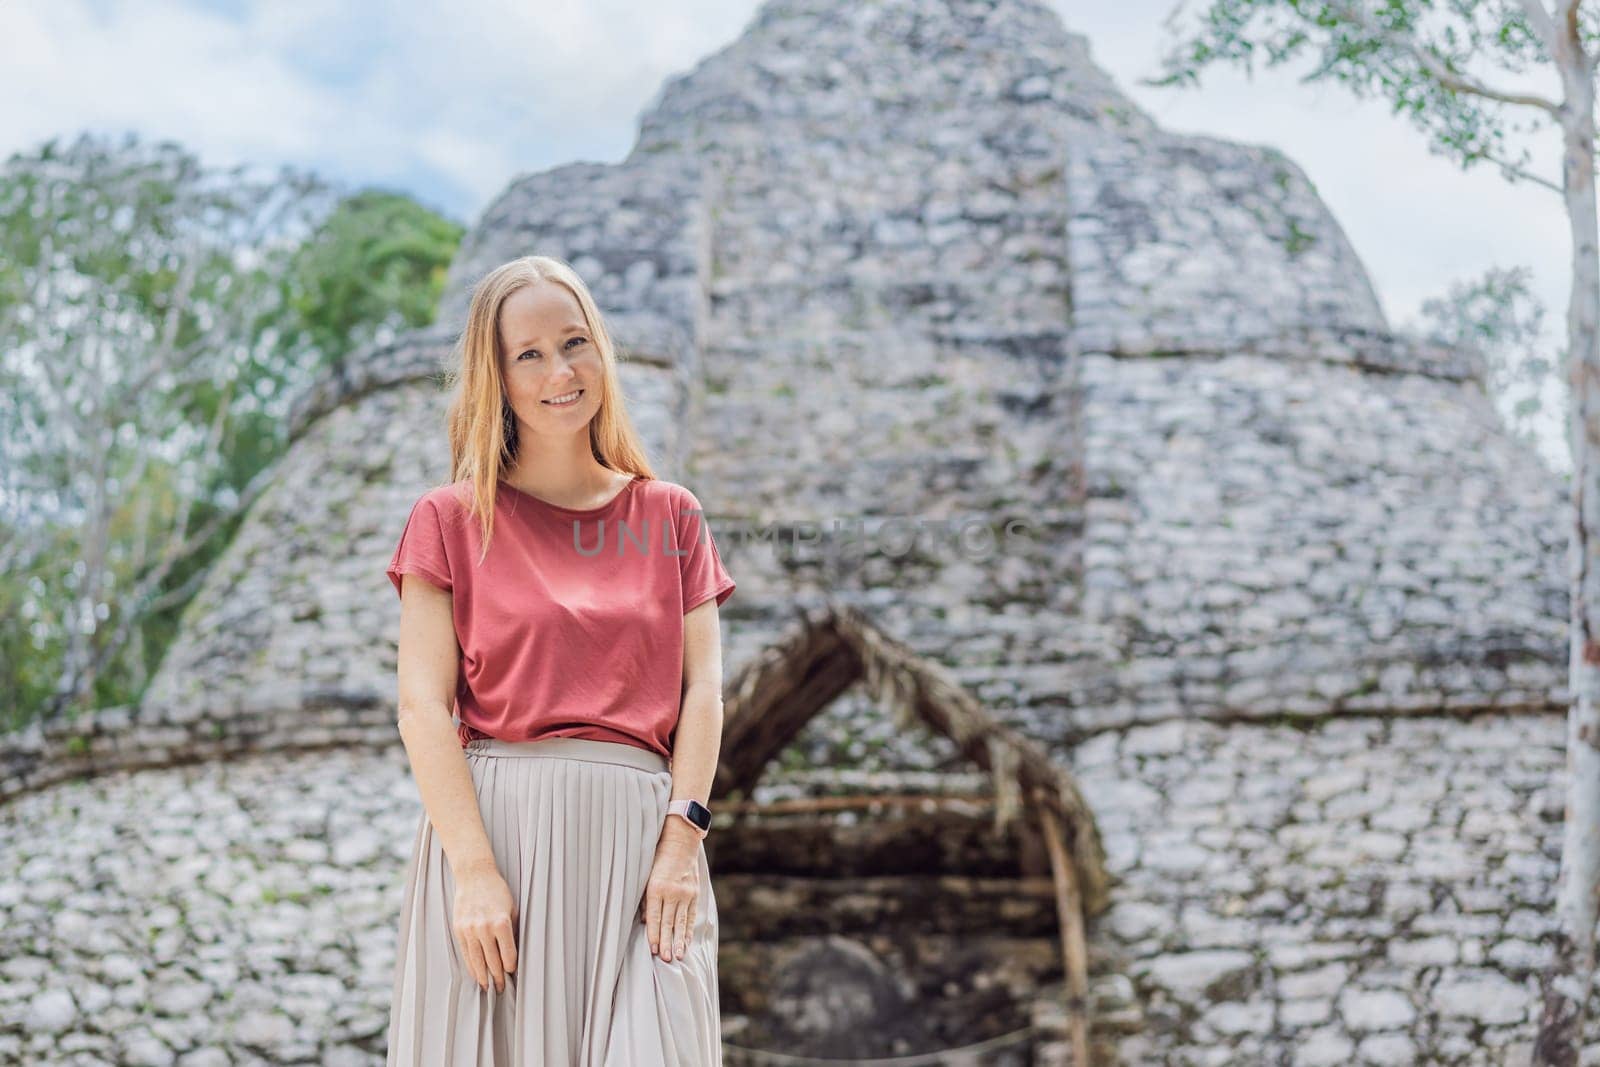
pixel 574 825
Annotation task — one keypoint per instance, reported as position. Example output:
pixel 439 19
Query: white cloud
pixel 459 98
pixel 161 69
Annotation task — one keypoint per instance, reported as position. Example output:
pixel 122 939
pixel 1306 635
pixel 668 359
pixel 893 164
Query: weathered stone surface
pixel 1291 606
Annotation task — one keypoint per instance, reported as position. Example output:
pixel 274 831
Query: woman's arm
pixel 698 741
pixel 674 879
pixel 428 659
pixel 483 911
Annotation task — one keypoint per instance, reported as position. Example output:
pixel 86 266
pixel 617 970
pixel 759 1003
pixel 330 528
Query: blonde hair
pixel 484 442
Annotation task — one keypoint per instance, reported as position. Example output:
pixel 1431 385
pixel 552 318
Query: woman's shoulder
pixel 657 486
pixel 668 494
pixel 451 500
pixel 443 493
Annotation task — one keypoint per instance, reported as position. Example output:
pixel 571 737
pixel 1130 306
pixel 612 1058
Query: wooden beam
pixel 1074 948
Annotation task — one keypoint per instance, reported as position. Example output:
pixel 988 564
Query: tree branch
pixel 142 592
pixel 1543 24
pixel 1442 74
pixel 1568 13
pixel 1516 171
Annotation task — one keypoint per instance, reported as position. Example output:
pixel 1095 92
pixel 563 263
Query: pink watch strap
pixel 680 808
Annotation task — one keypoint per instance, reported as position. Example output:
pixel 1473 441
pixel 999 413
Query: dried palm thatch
pixel 774 696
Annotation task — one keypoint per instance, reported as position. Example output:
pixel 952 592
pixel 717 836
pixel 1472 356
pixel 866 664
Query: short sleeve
pixel 703 574
pixel 421 549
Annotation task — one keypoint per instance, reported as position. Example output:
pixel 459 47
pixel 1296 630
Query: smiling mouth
pixel 567 400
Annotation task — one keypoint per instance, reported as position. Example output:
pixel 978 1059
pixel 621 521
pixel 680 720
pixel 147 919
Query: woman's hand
pixel 673 891
pixel 485 923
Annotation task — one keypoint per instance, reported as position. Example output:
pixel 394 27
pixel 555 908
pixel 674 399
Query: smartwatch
pixel 694 812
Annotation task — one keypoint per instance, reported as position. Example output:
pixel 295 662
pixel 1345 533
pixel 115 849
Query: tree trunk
pixel 1571 970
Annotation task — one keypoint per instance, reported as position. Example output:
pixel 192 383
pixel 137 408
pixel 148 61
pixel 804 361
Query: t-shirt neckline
pixel 607 506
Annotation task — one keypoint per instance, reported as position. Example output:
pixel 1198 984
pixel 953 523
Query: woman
pixel 562 601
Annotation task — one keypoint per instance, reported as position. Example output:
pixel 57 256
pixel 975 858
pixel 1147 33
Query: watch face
pixel 700 815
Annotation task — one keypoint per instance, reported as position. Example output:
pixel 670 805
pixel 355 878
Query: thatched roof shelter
pixel 776 693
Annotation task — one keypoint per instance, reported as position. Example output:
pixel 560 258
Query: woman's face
pixel 548 355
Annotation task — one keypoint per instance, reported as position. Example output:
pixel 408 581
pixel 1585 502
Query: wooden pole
pixel 816 805
pixel 1074 949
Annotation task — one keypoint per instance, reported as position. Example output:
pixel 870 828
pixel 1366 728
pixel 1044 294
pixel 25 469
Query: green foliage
pixel 30 640
pixel 1298 240
pixel 375 266
pixel 157 319
pixel 1427 59
pixel 1498 316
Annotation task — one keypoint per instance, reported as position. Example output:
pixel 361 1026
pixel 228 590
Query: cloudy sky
pixel 450 102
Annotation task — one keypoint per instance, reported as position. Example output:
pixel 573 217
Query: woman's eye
pixel 573 341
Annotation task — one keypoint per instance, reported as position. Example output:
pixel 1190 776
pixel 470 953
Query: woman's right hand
pixel 484 921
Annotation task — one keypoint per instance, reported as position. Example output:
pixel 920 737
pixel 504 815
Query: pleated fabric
pixel 574 825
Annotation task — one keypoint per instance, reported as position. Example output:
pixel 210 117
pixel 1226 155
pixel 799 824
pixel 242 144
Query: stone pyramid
pixel 924 260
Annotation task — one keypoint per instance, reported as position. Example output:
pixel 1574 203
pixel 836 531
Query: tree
pixel 157 320
pixel 375 266
pixel 1445 65
pixel 1498 315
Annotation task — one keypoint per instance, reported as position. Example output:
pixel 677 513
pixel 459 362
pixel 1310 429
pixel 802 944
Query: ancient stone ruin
pixel 1280 596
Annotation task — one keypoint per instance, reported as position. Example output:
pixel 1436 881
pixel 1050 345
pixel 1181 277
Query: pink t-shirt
pixel 572 626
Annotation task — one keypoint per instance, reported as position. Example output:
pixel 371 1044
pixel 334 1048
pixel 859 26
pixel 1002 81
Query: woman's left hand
pixel 672 892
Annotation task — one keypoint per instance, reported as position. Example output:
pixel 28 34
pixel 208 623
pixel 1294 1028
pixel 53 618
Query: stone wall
pixel 1367 889
pixel 1270 534
pixel 1188 243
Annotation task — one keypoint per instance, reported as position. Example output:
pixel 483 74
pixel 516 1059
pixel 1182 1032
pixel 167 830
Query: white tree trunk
pixel 1571 971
